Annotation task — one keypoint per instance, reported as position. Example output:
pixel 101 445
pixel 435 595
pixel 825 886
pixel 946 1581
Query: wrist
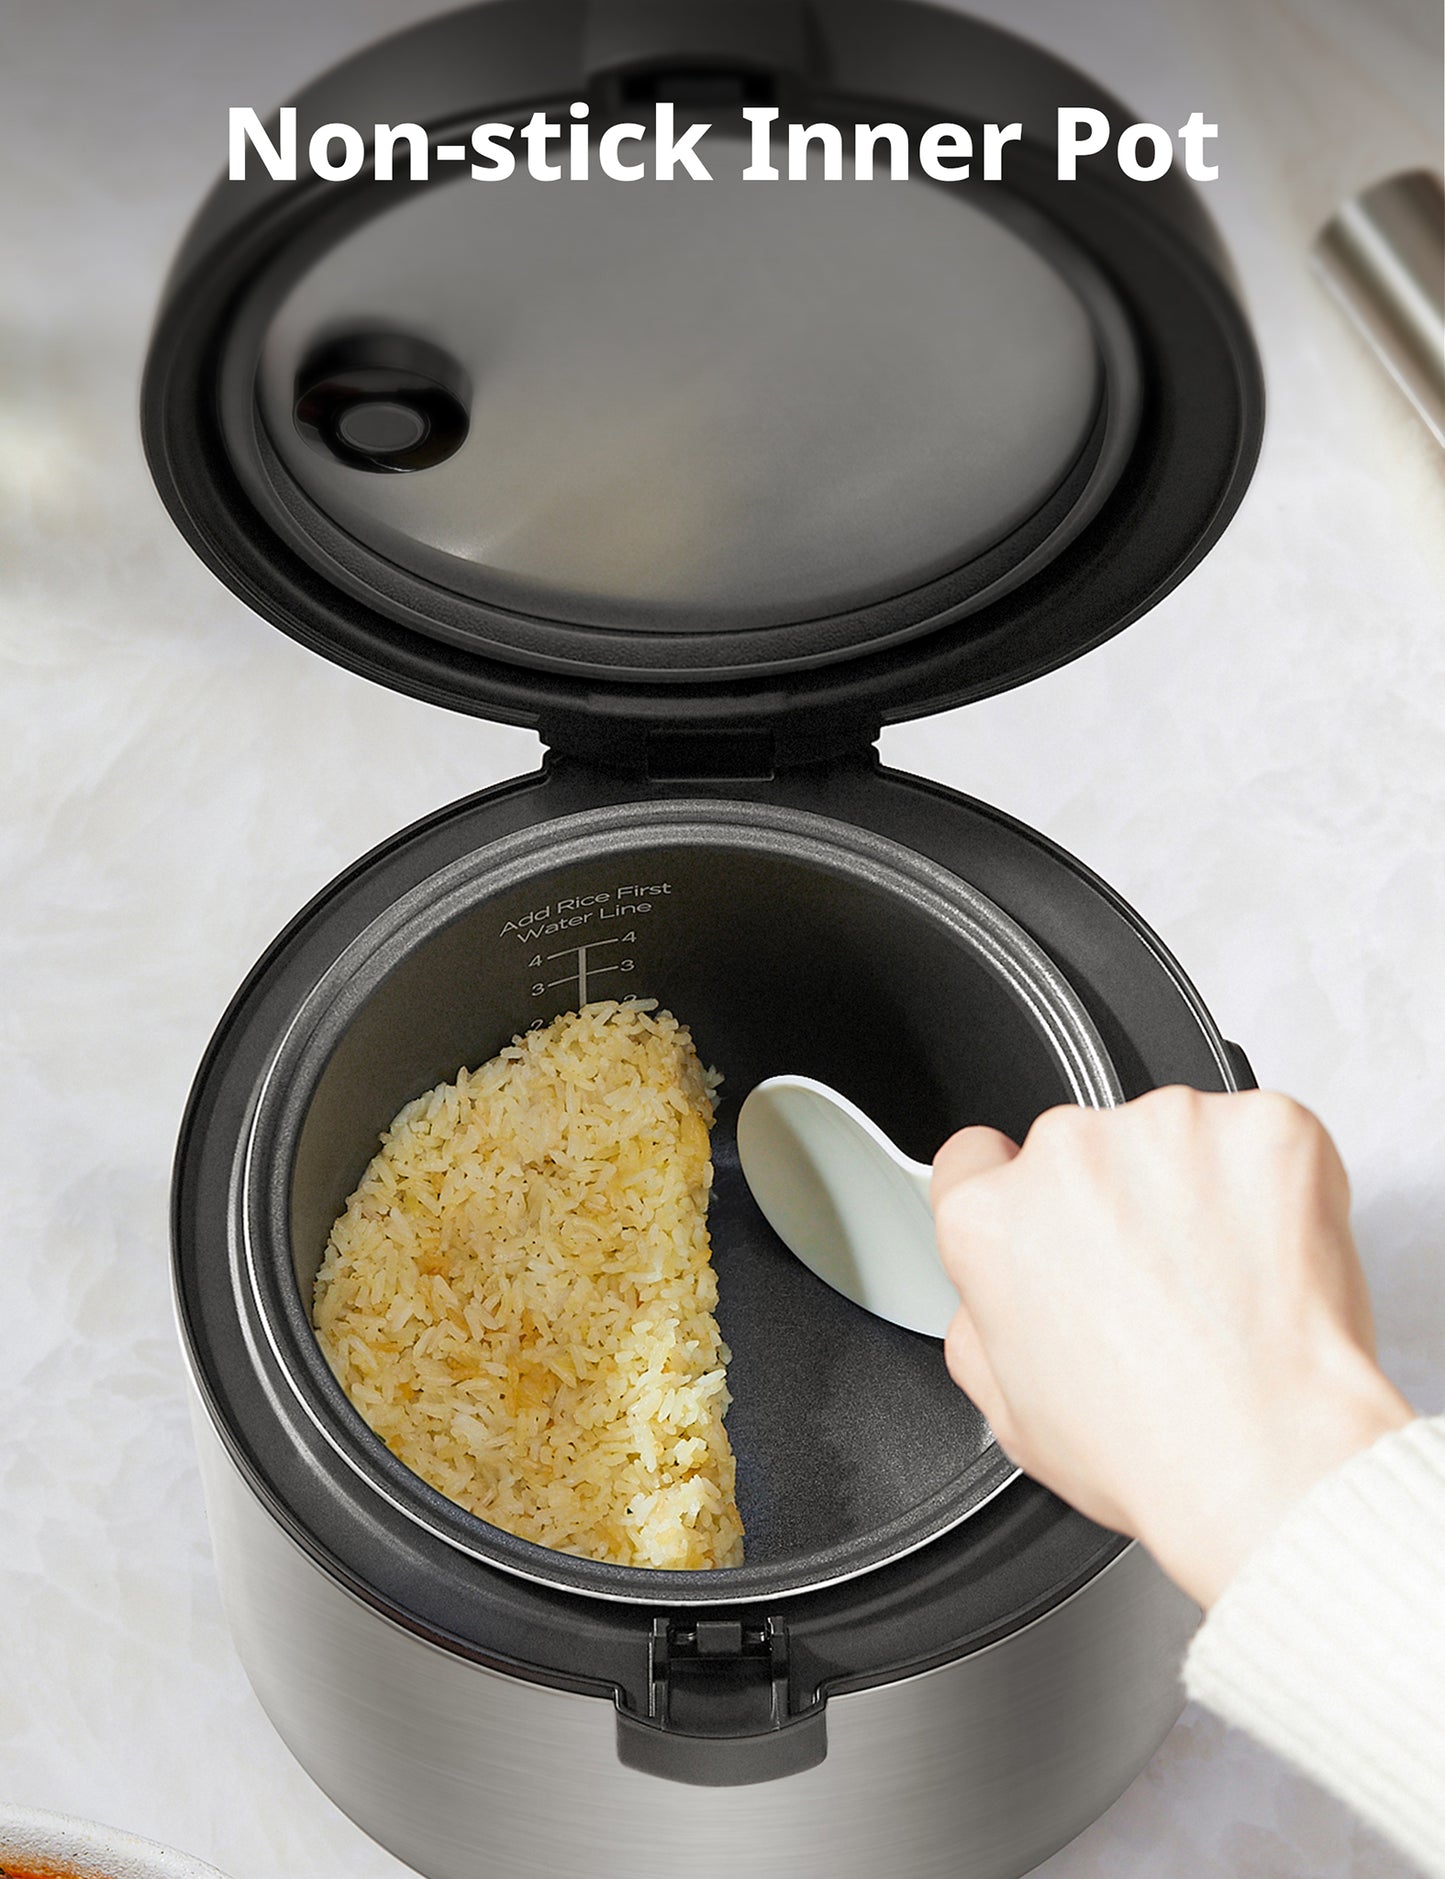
pixel 1342 1405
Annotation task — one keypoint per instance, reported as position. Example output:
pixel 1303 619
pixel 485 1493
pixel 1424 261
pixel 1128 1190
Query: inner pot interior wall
pixel 841 1423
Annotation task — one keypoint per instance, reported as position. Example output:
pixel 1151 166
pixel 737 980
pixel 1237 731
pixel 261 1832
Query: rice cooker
pixel 706 483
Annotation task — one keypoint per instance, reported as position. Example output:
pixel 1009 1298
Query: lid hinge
pixel 742 756
pixel 719 1712
pixel 679 752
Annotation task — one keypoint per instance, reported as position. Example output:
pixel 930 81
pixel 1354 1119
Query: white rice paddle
pixel 845 1200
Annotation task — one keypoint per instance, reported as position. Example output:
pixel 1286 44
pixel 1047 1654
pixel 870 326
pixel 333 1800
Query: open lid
pixel 624 459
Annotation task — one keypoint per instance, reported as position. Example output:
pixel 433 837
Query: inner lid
pixel 682 408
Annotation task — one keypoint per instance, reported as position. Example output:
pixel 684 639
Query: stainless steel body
pixel 977 1770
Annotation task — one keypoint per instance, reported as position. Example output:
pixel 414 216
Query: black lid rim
pixel 1199 437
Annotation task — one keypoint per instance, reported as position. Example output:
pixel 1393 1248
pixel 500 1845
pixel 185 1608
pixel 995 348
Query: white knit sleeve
pixel 1329 1643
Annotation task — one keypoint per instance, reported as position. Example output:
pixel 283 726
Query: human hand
pixel 1163 1315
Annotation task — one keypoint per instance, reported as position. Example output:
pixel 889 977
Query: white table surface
pixel 1259 767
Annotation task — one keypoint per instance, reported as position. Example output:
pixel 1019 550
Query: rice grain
pixel 519 1296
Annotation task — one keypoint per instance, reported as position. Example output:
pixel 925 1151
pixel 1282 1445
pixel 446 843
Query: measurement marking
pixel 581 981
pixel 583 972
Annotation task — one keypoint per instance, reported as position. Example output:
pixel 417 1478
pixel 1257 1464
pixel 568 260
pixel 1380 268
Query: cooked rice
pixel 519 1296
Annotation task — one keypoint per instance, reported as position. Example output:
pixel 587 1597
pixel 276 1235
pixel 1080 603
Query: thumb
pixel 969 1153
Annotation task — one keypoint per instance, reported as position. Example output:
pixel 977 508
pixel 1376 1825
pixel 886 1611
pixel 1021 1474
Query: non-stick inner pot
pixel 912 996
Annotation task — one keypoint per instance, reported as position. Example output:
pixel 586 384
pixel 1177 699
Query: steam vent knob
pixel 382 402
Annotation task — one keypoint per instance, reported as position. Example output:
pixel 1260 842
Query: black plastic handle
pixel 706 1761
pixel 719 1706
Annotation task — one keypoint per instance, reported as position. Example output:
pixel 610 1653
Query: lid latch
pixel 719 1706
